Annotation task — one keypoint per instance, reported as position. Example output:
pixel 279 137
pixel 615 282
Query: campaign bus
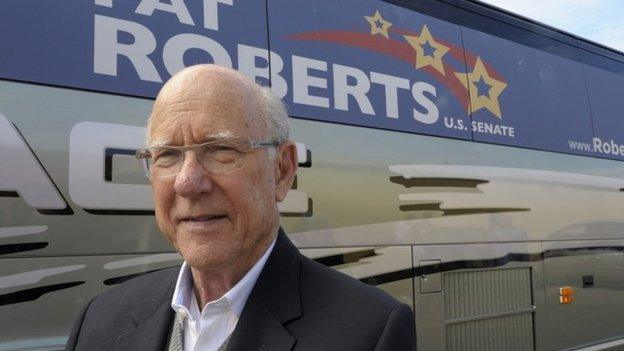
pixel 465 160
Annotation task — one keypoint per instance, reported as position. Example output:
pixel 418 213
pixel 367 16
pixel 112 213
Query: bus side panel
pixel 479 297
pixel 595 271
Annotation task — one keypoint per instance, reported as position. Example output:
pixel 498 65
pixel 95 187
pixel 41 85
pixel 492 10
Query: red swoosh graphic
pixel 398 49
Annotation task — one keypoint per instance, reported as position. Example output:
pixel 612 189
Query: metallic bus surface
pixel 463 159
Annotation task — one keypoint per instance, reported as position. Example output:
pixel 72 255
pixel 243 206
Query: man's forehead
pixel 205 114
pixel 182 106
pixel 206 95
pixel 201 122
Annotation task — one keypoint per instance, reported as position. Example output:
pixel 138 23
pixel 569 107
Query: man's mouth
pixel 202 219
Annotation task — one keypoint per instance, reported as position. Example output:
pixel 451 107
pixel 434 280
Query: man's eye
pixel 224 153
pixel 165 158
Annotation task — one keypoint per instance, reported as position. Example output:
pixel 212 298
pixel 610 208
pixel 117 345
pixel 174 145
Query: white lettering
pixel 615 148
pixel 493 129
pixel 211 14
pixel 449 122
pixel 247 56
pixel 278 83
pixel 107 49
pixel 342 89
pixel 418 92
pixel 597 144
pixel 489 128
pixel 173 52
pixel 177 7
pixel 106 3
pixel 21 172
pixel 302 81
pixel 391 85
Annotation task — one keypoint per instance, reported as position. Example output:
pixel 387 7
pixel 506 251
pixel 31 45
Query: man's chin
pixel 207 258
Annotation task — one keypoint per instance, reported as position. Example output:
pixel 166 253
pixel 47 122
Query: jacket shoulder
pixel 110 314
pixel 137 289
pixel 342 289
pixel 349 313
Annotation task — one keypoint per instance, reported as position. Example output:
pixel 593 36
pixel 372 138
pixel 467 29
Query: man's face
pixel 214 220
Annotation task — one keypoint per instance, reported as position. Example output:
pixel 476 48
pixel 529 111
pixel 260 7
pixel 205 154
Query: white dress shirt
pixel 206 331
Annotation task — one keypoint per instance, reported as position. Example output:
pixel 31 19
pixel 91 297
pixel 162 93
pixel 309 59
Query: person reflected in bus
pixel 219 160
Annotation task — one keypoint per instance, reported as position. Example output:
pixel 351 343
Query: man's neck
pixel 210 285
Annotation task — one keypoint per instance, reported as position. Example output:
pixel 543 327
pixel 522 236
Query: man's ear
pixel 286 169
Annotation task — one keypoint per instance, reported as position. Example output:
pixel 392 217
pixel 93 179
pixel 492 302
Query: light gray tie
pixel 176 341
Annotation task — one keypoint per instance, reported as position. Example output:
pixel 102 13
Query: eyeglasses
pixel 216 156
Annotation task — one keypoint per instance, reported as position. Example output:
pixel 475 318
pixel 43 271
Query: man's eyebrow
pixel 160 143
pixel 209 137
pixel 221 135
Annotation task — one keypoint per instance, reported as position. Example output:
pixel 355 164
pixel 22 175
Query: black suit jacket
pixel 296 304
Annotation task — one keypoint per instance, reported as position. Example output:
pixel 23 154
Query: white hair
pixel 276 118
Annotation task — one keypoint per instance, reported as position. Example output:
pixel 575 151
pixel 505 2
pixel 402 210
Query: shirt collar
pixel 183 296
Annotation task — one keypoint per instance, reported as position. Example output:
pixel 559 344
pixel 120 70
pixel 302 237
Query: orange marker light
pixel 566 295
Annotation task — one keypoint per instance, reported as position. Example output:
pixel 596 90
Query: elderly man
pixel 219 161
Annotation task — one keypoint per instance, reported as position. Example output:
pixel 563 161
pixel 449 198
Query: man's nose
pixel 192 180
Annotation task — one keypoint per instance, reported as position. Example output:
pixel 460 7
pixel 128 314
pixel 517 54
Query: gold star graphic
pixel 378 24
pixel 426 41
pixel 480 81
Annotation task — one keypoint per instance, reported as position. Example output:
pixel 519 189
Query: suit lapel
pixel 259 330
pixel 150 335
pixel 153 320
pixel 274 301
